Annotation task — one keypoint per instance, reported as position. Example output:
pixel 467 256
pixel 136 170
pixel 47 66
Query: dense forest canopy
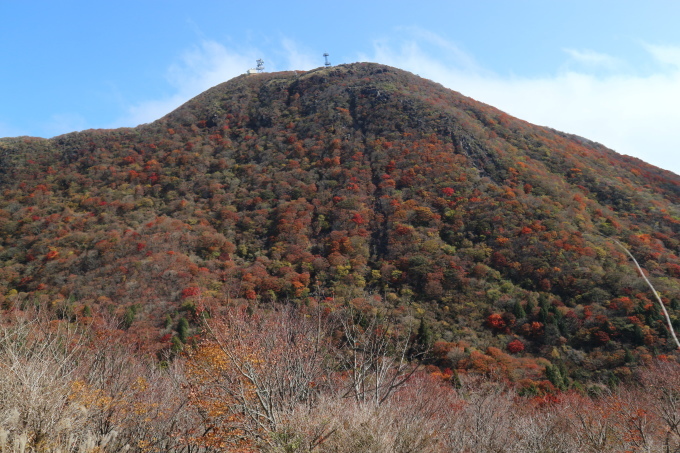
pixel 489 239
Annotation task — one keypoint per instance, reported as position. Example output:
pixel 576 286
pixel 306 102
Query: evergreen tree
pixel 628 357
pixel 531 306
pixel 553 374
pixel 424 337
pixel 176 345
pixel 518 310
pixel 638 335
pixel 129 316
pixel 183 329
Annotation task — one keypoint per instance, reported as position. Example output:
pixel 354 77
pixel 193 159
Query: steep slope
pixel 357 184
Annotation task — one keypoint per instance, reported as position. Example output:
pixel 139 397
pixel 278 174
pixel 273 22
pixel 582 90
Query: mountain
pixel 358 184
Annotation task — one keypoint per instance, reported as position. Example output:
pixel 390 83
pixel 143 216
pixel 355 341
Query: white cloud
pixel 208 64
pixel 594 59
pixel 412 54
pixel 297 59
pixel 669 55
pixel 196 70
pixel 148 111
pixel 631 114
pixel 451 53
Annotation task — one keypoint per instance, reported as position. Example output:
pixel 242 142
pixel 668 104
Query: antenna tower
pixel 328 63
pixel 260 65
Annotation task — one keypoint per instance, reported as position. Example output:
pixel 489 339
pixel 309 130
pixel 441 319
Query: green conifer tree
pixel 183 329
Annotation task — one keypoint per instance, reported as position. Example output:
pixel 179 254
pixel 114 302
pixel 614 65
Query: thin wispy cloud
pixel 211 63
pixel 196 70
pixel 669 55
pixel 207 65
pixel 418 51
pixel 297 58
pixel 451 53
pixel 594 59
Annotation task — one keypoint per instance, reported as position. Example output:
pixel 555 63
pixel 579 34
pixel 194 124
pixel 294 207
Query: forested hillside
pixel 488 241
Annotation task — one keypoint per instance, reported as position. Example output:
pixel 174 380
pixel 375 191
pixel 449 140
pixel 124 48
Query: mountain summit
pixel 358 184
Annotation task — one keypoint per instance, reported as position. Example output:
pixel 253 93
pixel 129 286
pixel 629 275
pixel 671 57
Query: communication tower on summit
pixel 328 63
pixel 258 69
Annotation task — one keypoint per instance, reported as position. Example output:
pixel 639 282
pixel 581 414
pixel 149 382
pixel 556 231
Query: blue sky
pixel 605 70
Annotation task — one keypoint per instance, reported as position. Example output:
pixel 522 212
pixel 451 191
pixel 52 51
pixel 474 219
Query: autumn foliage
pixel 280 381
pixel 354 186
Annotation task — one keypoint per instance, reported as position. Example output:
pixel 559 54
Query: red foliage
pixel 515 346
pixel 408 218
pixel 495 321
pixel 448 191
pixel 402 230
pixel 191 291
pixel 358 219
pixel 601 337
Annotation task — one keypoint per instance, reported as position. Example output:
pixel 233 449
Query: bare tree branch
pixel 656 294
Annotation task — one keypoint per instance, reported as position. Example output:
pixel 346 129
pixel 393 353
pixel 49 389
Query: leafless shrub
pixel 410 421
pixel 38 363
pixel 659 396
pixel 374 356
pixel 58 393
pixel 254 371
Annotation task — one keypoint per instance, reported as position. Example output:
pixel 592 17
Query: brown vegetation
pixel 273 382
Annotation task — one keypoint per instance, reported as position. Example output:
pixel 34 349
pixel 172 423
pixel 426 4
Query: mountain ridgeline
pixel 359 184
